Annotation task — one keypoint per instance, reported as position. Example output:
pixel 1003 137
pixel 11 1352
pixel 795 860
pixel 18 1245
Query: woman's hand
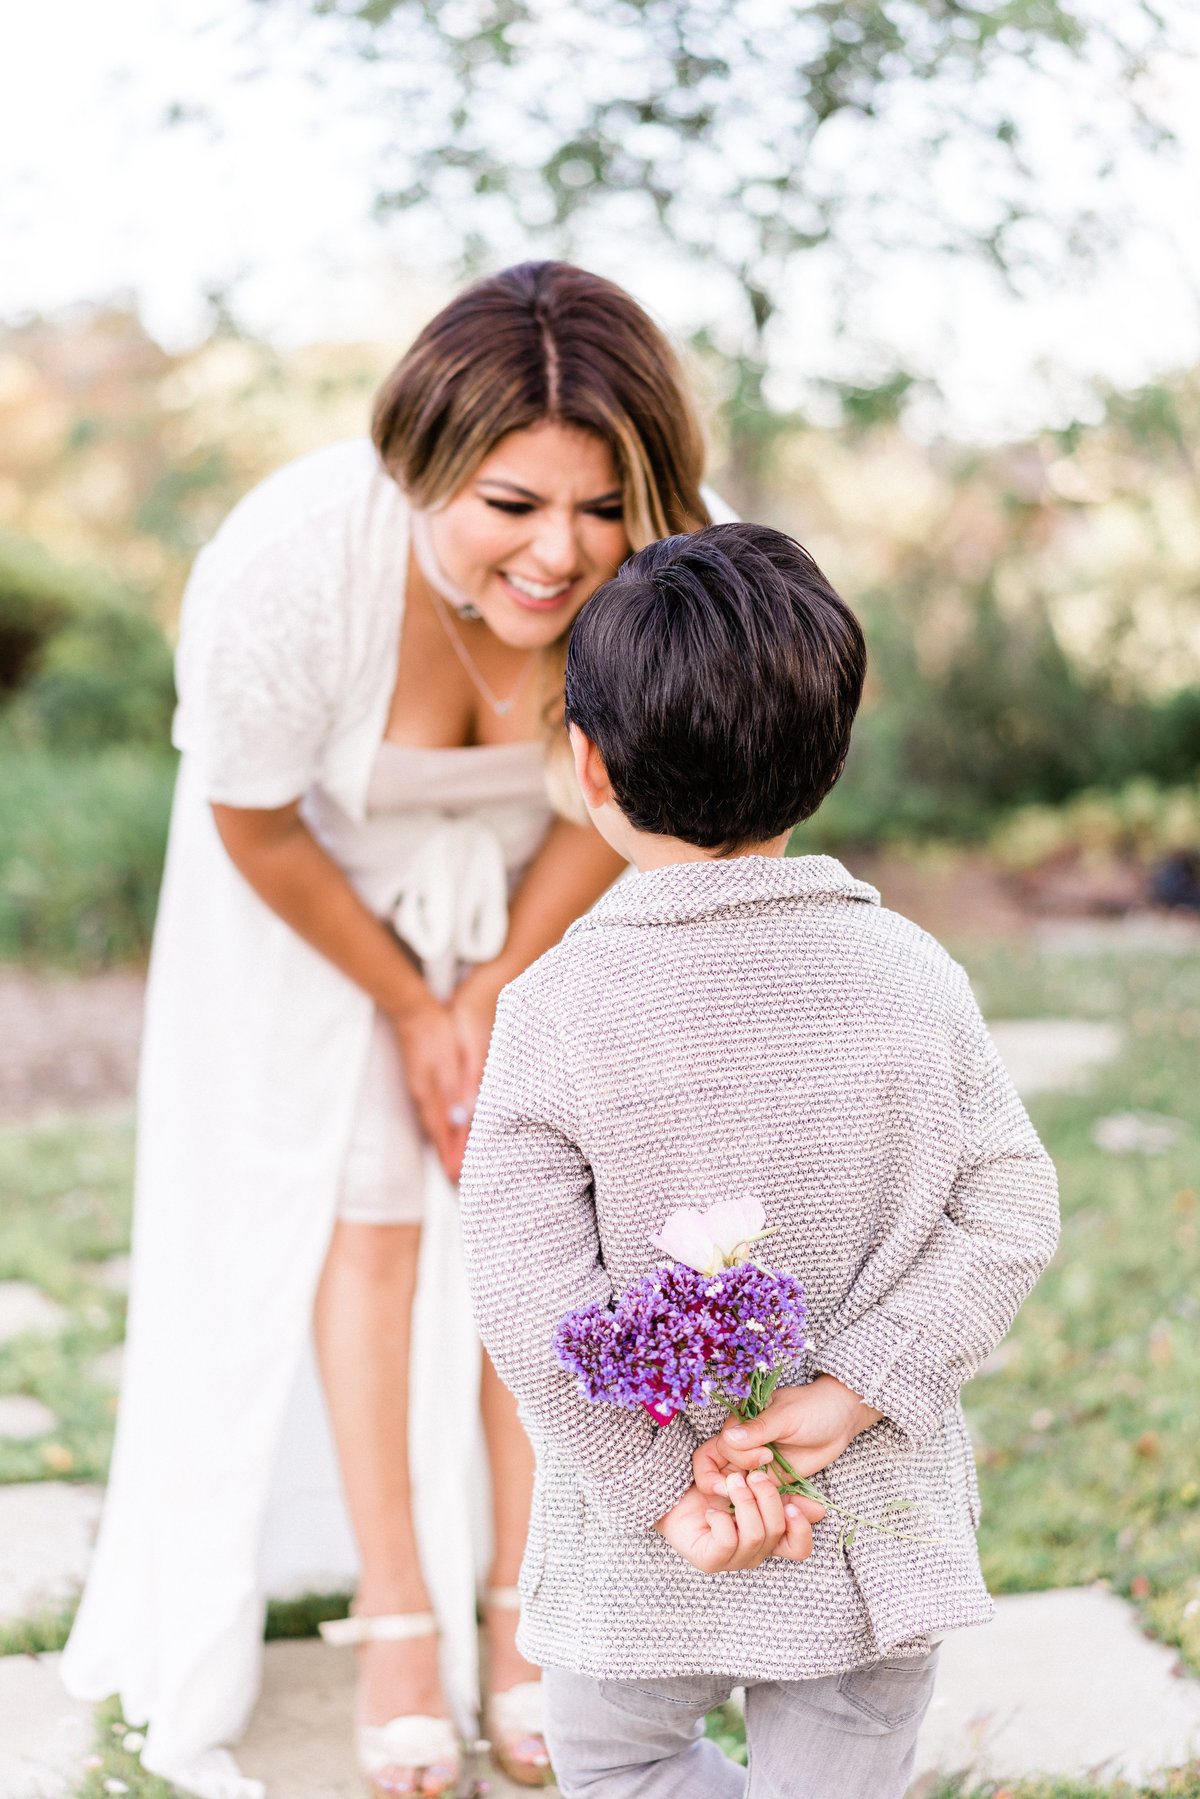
pixel 435 1068
pixel 473 1009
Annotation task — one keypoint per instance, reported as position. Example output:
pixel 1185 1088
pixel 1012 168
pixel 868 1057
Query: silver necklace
pixel 501 707
pixel 442 588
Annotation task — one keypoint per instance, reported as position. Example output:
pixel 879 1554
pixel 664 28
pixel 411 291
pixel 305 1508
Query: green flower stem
pixel 798 1483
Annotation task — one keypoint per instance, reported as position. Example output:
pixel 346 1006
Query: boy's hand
pixel 761 1524
pixel 810 1425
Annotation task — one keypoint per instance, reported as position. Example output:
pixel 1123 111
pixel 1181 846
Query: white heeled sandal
pixel 514 1718
pixel 416 1742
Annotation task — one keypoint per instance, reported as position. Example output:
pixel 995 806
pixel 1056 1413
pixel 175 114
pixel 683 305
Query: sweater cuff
pixel 897 1369
pixel 652 1484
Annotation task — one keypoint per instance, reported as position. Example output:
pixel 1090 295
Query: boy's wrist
pixel 859 1415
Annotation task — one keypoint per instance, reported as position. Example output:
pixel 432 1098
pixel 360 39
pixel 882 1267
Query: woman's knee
pixel 382 1255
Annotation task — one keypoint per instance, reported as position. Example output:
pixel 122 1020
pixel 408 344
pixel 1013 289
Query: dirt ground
pixel 67 1044
pixel 951 895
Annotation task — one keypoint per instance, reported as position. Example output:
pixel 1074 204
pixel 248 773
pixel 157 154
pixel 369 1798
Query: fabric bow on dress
pixel 453 902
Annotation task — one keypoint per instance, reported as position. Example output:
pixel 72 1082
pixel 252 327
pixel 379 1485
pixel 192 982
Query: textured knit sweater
pixel 763 1027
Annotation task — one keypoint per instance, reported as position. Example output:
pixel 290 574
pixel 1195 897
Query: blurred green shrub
pixel 82 840
pixel 86 769
pixel 1140 822
pixel 1004 721
pixel 81 666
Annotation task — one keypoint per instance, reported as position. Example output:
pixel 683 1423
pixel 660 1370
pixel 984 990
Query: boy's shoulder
pixel 674 909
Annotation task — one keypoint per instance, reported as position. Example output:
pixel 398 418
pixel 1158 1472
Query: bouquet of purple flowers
pixel 710 1325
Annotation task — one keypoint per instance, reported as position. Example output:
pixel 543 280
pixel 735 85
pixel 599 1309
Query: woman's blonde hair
pixel 546 341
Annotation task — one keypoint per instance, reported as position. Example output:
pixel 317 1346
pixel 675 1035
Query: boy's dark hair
pixel 718 675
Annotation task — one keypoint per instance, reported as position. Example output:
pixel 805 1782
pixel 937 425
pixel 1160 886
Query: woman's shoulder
pixel 312 507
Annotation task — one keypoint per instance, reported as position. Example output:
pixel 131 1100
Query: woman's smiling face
pixel 535 531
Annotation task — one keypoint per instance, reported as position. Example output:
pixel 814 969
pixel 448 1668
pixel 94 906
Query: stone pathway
pixel 299 1739
pixel 44 1736
pixel 25 1310
pixel 1060 1683
pixel 1054 1055
pixel 46 1532
pixel 22 1418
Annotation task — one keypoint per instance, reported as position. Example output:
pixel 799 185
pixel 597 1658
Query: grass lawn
pixel 64 1211
pixel 1086 1436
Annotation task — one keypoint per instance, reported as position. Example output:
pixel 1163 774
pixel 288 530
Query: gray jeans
pixel 849 1736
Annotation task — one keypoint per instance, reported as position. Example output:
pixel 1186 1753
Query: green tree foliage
pixel 742 137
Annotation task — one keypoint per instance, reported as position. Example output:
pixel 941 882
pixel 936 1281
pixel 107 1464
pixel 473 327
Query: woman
pixel 363 852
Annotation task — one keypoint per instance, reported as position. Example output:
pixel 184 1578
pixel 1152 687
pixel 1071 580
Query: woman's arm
pixel 278 855
pixel 568 874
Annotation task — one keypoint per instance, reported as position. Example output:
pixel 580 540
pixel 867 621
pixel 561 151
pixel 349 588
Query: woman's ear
pixel 590 771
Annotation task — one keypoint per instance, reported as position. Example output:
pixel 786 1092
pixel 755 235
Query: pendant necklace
pixel 441 589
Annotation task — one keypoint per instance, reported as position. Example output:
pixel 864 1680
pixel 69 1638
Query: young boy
pixel 727 1022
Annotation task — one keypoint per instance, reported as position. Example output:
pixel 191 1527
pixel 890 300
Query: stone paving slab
pixel 44 1735
pixel 46 1533
pixel 1062 1682
pixel 299 1741
pixel 1054 1055
pixel 1138 933
pixel 22 1418
pixel 26 1311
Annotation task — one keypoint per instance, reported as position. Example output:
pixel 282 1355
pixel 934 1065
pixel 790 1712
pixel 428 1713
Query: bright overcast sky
pixel 266 190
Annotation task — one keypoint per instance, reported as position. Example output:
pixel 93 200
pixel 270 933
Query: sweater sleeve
pixel 533 1254
pixel 908 1354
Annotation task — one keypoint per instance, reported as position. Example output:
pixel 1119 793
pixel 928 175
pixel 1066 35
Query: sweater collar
pixel 691 890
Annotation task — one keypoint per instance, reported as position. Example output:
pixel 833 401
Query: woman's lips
pixel 531 601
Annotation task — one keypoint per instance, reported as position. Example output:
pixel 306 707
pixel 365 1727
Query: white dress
pixel 223 1483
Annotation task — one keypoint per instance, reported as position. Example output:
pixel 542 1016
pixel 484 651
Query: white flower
pixel 133 1740
pixel 115 1786
pixel 714 1239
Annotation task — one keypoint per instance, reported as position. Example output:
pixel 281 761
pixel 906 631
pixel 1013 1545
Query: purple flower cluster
pixel 677 1337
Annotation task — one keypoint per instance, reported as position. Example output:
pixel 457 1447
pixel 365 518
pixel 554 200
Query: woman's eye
pixel 611 514
pixel 518 508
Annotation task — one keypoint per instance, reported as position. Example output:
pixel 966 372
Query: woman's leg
pixel 363 1322
pixel 510 1456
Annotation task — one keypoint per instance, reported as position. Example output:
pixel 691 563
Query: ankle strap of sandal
pixel 387 1627
pixel 504 1599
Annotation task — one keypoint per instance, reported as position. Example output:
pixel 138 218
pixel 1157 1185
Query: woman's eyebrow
pixel 527 493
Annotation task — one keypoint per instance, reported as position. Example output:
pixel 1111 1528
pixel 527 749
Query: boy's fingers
pixel 747 1459
pixel 797 1543
pixel 751 1530
pixel 707 1471
pixel 770 1507
pixel 723 1536
pixel 812 1509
